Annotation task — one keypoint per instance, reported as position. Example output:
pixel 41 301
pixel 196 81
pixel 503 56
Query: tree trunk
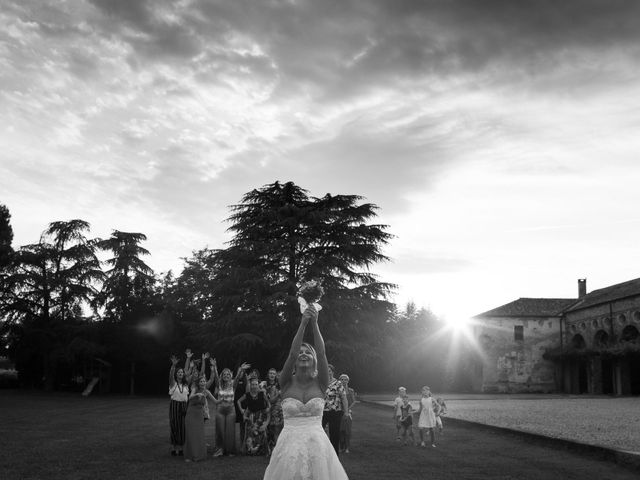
pixel 133 379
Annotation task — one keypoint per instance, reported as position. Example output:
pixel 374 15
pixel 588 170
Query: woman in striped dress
pixel 179 392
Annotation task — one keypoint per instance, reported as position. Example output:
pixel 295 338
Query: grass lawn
pixel 69 437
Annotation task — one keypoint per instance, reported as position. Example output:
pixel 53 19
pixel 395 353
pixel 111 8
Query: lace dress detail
pixel 303 451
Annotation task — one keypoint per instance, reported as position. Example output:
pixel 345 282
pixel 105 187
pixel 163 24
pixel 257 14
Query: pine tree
pixel 129 279
pixel 6 237
pixel 282 237
pixel 45 288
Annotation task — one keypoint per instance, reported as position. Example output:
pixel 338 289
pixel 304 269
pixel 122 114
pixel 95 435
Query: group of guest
pixel 430 413
pixel 244 400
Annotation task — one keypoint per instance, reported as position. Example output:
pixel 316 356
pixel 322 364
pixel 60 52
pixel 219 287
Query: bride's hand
pixel 310 314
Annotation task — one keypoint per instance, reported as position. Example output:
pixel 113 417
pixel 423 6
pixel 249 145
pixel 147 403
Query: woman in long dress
pixel 195 447
pixel 303 450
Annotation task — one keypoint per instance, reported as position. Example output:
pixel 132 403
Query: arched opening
pixel 629 334
pixel 580 374
pixel 601 340
pixel 577 342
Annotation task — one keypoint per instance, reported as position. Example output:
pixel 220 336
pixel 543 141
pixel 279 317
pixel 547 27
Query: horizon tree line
pixel 60 307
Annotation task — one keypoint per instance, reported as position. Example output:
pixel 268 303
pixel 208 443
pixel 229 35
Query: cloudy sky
pixel 500 139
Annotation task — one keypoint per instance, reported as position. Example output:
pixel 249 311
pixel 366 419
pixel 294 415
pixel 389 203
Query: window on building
pixel 518 333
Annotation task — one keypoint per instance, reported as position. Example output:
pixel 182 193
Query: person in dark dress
pixel 195 446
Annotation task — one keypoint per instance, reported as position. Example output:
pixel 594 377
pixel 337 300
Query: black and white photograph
pixel 319 239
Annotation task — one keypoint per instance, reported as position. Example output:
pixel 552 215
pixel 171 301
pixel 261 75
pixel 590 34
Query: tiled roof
pixel 531 307
pixel 604 295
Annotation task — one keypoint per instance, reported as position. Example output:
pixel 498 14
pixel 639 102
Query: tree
pixel 282 236
pixel 6 237
pixel 416 346
pixel 6 252
pixel 129 300
pixel 129 278
pixel 46 287
pixel 76 271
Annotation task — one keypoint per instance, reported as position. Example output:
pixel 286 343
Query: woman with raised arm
pixel 226 413
pixel 240 387
pixel 195 446
pixel 303 449
pixel 179 393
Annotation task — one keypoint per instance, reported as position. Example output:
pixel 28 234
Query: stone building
pixel 589 344
pixel 600 349
pixel 513 339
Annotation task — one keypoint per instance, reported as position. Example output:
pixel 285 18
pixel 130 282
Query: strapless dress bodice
pixel 298 413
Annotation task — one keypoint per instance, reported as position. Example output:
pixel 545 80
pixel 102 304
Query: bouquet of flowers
pixel 309 294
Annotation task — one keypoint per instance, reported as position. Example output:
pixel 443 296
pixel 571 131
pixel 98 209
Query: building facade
pixel 601 342
pixel 514 339
pixel 588 344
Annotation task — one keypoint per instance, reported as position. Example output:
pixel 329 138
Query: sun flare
pixel 456 323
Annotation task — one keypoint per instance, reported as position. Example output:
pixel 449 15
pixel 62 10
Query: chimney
pixel 582 287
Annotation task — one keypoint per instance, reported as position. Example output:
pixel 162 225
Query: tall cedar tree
pixel 6 237
pixel 47 284
pixel 129 301
pixel 282 237
pixel 6 251
pixel 129 278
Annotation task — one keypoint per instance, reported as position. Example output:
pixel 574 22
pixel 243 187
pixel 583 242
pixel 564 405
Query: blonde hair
pixel 314 355
pixel 223 384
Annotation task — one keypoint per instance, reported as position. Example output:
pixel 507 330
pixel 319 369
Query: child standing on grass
pixel 397 413
pixel 442 410
pixel 406 420
pixel 427 420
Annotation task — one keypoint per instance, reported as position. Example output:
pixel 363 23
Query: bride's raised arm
pixel 318 344
pixel 287 370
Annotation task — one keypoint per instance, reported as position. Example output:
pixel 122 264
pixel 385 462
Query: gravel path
pixel 605 421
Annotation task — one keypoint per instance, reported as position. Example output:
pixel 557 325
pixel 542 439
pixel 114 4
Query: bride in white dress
pixel 303 450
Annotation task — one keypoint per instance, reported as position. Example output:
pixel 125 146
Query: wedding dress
pixel 303 451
